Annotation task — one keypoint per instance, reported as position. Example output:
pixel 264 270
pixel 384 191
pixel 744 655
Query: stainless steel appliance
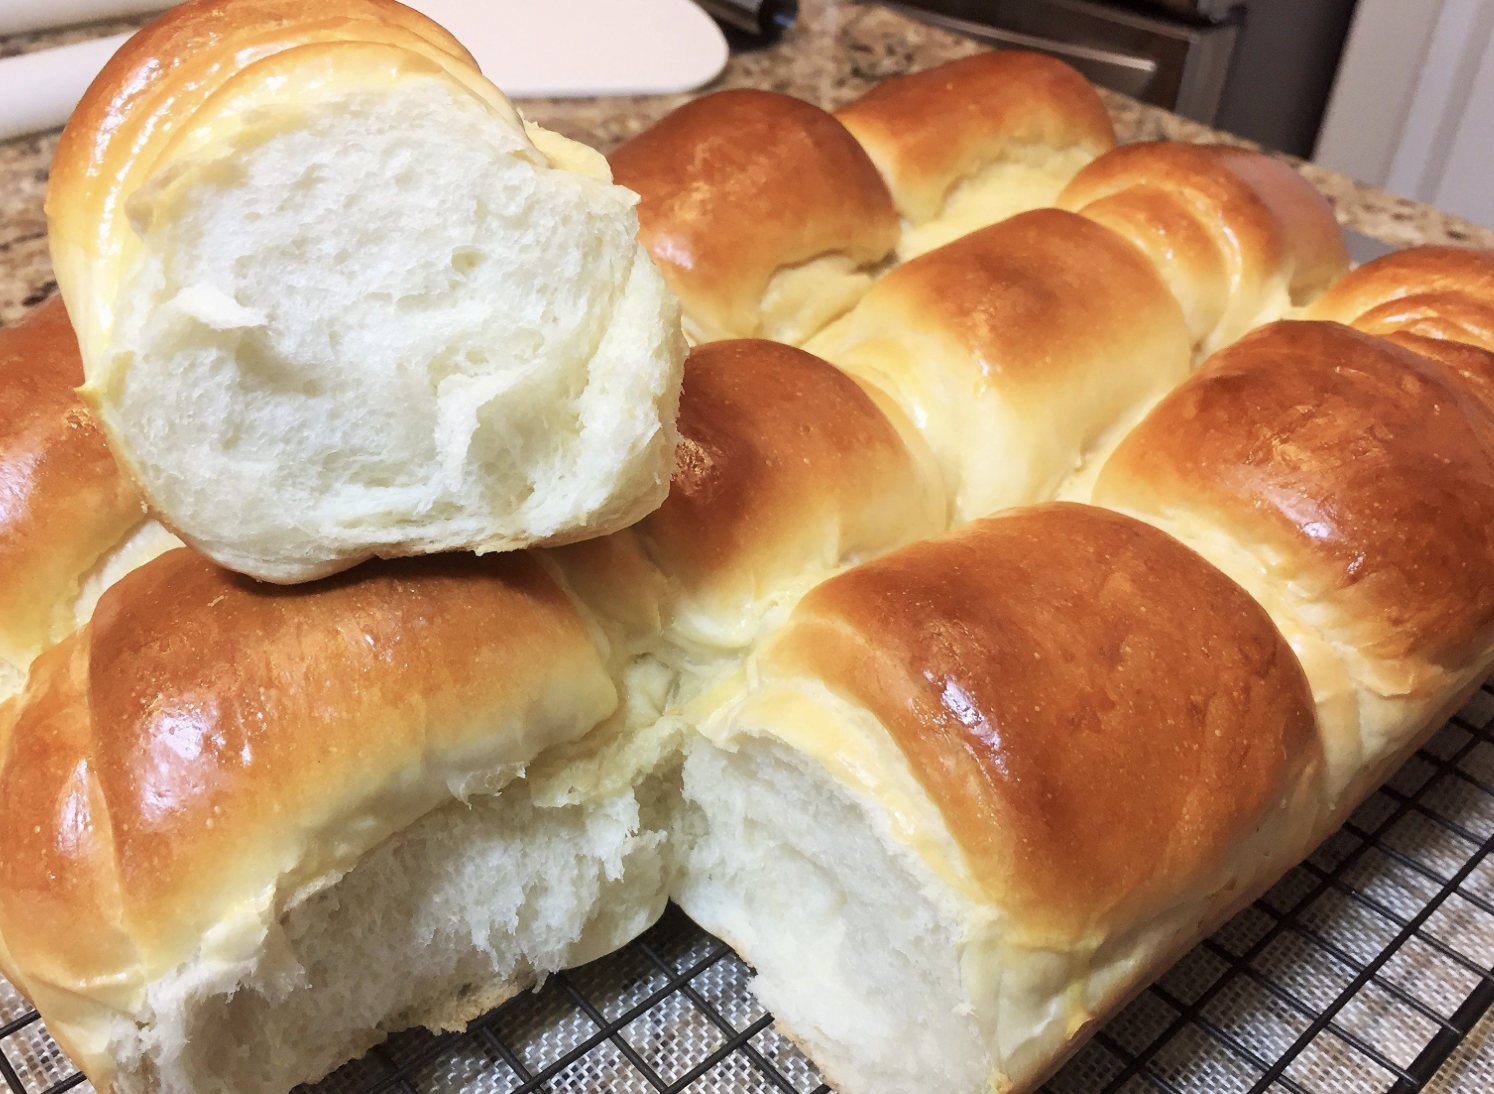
pixel 1260 68
pixel 1167 58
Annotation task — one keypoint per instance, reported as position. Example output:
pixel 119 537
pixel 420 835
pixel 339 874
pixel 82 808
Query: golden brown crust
pixel 63 502
pixel 1239 236
pixel 206 740
pixel 929 131
pixel 1043 287
pixel 1363 470
pixel 1471 364
pixel 1014 348
pixel 784 465
pixel 1098 713
pixel 1438 292
pixel 786 468
pixel 738 185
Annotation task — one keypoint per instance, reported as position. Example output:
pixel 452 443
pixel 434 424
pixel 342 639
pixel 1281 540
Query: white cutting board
pixel 586 47
pixel 529 48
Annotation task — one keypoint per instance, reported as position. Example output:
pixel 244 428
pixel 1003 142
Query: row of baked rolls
pixel 246 831
pixel 70 522
pixel 1003 360
pixel 1024 349
pixel 1344 480
pixel 974 794
pixel 769 219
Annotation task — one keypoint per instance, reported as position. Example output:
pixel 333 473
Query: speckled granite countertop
pixel 838 49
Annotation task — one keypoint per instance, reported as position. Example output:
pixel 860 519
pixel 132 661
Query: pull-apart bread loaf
pixel 336 299
pixel 1240 238
pixel 765 215
pixel 955 794
pixel 974 141
pixel 974 794
pixel 978 790
pixel 70 521
pixel 246 832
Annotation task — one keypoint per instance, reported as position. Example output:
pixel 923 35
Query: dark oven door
pixel 1175 63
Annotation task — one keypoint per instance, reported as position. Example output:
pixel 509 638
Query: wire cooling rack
pixel 1367 968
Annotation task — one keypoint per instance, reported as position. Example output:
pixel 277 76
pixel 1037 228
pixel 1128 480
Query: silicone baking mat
pixel 1367 968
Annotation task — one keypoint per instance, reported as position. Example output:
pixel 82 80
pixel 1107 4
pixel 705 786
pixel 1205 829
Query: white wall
pixel 1413 104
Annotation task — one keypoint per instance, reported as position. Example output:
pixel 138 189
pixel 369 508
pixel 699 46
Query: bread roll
pixel 1241 238
pixel 765 215
pixel 1436 292
pixel 974 141
pixel 69 520
pixel 1348 484
pixel 979 789
pixel 1015 349
pixel 335 299
pixel 788 471
pixel 246 832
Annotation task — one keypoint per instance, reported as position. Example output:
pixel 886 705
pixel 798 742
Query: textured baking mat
pixel 1367 968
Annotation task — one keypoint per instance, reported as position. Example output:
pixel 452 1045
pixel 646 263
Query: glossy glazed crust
pixel 929 131
pixel 785 466
pixel 1099 715
pixel 207 743
pixel 739 185
pixel 1224 225
pixel 63 502
pixel 1015 348
pixel 144 107
pixel 1024 301
pixel 1438 292
pixel 1471 364
pixel 1362 470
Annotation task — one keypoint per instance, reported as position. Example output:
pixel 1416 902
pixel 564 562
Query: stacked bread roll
pixel 957 768
pixel 336 300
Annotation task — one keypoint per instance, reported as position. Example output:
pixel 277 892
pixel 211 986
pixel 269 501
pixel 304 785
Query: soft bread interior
pixel 144 543
pixel 469 906
pixel 856 949
pixel 805 842
pixel 801 300
pixel 12 679
pixel 147 540
pixel 383 323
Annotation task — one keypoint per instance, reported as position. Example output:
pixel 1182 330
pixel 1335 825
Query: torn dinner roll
pixel 337 300
pixel 975 791
pixel 246 832
pixel 974 141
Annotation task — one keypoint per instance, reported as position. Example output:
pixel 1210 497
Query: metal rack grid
pixel 1365 969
